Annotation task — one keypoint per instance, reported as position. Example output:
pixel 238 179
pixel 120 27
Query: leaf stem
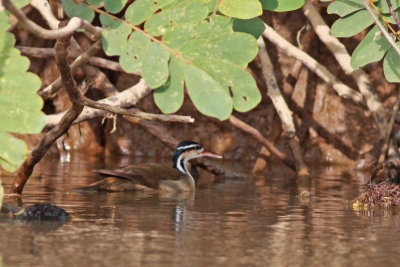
pixel 216 8
pixel 367 4
pixel 177 54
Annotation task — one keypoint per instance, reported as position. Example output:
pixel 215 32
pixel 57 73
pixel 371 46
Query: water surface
pixel 237 222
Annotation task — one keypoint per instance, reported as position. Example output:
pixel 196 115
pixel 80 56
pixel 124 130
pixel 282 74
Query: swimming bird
pixel 155 176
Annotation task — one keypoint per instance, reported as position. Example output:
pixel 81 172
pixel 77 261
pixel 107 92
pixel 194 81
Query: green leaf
pixel 155 66
pixel 282 5
pixel 178 36
pixel 242 85
pixel 382 4
pixel 211 5
pixel 254 26
pixel 169 97
pixel 132 58
pixel 391 66
pixel 114 6
pixel 352 24
pixel 345 7
pixel 95 2
pixel 185 12
pixel 20 106
pixel 20 4
pixel 114 35
pixel 81 10
pixel 12 151
pixel 371 49
pixel 242 9
pixel 140 10
pixel 237 47
pixel 209 97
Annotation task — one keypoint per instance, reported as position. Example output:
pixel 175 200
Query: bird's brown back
pixel 148 174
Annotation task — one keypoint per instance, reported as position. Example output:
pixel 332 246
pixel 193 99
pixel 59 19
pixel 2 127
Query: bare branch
pixel 35 29
pixel 343 58
pixel 341 89
pixel 83 58
pixel 40 149
pixel 39 52
pixel 137 113
pixel 124 99
pixel 285 114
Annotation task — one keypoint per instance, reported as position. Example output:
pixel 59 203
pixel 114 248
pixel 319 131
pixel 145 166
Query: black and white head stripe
pixel 188 147
pixel 179 159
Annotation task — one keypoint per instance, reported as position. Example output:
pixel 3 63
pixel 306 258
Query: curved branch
pixel 35 29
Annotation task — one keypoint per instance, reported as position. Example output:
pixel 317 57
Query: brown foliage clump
pixel 384 194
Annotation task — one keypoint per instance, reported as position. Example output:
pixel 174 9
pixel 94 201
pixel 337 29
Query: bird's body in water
pixel 155 176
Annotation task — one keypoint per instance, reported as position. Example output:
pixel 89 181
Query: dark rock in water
pixel 39 211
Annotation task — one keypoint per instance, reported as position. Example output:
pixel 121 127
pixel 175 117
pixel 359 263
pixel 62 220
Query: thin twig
pixel 154 39
pixel 391 10
pixel 340 88
pixel 74 24
pixel 38 52
pixel 137 113
pixel 124 99
pixel 216 8
pixel 381 27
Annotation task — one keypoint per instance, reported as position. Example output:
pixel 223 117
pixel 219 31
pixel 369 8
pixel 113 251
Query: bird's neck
pixel 181 165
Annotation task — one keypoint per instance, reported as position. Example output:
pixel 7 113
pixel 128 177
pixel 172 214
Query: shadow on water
pixel 257 222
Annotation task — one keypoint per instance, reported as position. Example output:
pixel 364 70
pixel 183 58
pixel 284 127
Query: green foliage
pixel 114 36
pixel 155 66
pixel 182 39
pixel 254 26
pixel 114 6
pixel 358 20
pixel 391 66
pixel 19 104
pixel 242 9
pixel 190 44
pixel 169 97
pixel 77 10
pixel 354 19
pixel 345 7
pixel 136 51
pixel 282 5
pixel 371 49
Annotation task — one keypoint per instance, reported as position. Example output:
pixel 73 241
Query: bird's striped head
pixel 187 150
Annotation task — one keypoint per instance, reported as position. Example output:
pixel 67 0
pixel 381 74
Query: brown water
pixel 235 223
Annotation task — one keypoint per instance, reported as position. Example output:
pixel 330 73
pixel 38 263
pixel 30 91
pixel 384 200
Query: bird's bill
pixel 211 155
